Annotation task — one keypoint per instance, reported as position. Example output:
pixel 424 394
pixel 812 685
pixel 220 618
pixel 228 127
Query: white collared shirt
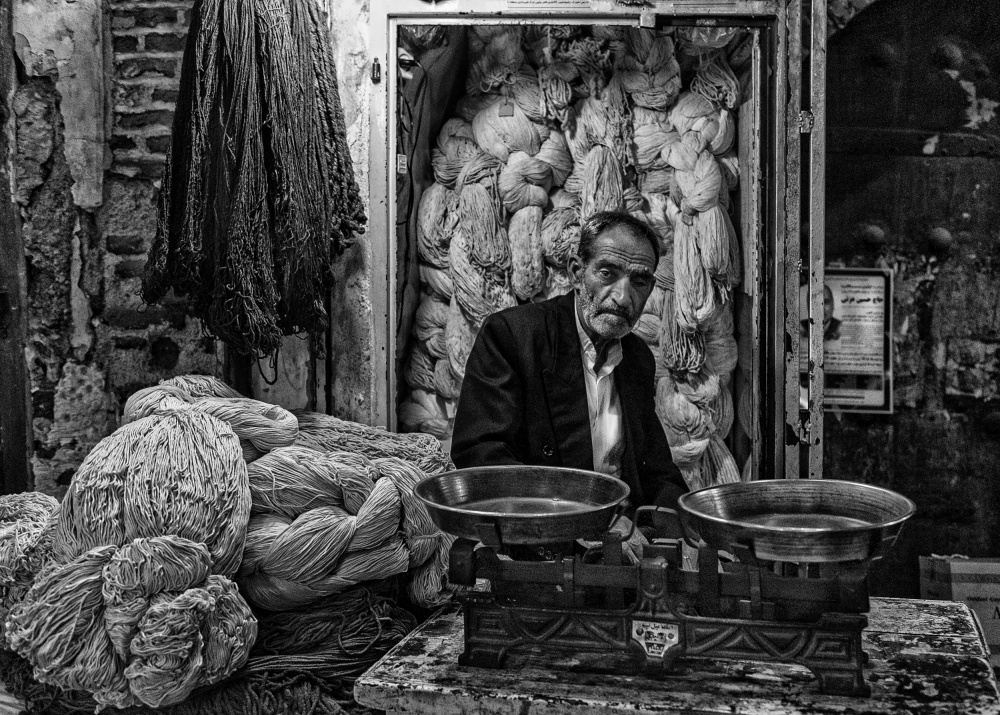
pixel 602 403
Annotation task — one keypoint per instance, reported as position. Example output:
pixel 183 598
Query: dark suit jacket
pixel 524 400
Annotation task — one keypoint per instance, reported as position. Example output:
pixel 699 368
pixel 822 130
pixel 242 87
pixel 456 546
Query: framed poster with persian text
pixel 857 340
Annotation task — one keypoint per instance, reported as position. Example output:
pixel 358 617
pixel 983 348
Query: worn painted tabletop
pixel 925 657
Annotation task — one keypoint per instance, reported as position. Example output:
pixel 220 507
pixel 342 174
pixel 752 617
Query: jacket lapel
pixel 628 396
pixel 565 390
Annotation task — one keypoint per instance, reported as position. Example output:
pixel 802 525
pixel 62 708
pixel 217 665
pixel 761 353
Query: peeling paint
pixel 83 337
pixel 62 39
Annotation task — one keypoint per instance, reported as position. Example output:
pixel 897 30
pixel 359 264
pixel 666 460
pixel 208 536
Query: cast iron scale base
pixel 657 611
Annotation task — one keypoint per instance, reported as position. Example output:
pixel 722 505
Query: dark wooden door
pixel 14 441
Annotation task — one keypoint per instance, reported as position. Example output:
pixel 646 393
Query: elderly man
pixel 564 382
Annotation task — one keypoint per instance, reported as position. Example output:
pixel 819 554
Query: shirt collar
pixel 614 349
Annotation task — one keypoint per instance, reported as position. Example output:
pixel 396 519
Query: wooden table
pixel 925 657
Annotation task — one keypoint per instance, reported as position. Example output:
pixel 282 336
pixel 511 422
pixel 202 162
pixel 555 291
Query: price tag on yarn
pixel 401 164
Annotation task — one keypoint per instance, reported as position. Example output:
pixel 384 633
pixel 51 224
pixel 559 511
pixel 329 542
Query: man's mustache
pixel 620 312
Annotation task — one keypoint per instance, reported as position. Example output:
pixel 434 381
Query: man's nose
pixel 621 293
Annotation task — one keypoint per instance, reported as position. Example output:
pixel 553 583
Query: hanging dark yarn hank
pixel 259 196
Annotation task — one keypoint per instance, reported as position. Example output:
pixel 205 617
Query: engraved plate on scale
pixel 655 638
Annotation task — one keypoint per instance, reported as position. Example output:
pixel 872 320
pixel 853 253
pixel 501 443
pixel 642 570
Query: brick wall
pixel 148 45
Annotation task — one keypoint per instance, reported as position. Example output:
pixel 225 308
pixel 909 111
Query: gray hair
pixel 596 224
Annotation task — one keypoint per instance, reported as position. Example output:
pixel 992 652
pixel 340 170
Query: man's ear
pixel 574 268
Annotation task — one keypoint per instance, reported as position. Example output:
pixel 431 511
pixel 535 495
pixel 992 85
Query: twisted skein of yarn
pixel 179 472
pixel 524 181
pixel 499 63
pixel 526 252
pixel 337 637
pixel 429 323
pixel 424 412
pixel 681 352
pixel 560 235
pixel 456 147
pixel 648 68
pixel 27 528
pixel 499 134
pixel 485 235
pixel 327 433
pixel 201 386
pixel 136 604
pixel 460 335
pixel 260 426
pixel 555 152
pixel 419 369
pixel 325 522
pixel 603 189
pixel 437 219
pixel 436 280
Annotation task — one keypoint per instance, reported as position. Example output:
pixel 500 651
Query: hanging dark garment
pixel 259 196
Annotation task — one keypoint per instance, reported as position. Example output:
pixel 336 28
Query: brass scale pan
pixel 787 520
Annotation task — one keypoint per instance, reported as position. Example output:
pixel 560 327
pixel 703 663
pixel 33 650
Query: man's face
pixel 614 285
pixel 827 304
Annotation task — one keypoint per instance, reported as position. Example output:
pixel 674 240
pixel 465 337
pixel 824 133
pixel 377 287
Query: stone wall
pixel 93 123
pixel 147 41
pixel 913 183
pixel 86 187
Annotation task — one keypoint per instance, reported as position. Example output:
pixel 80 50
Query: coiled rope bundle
pixel 136 604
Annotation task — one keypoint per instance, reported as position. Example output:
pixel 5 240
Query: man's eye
pixel 604 272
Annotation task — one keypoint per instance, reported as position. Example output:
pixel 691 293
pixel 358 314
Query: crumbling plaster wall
pixel 93 112
pixel 87 221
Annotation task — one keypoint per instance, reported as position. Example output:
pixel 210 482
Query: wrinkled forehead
pixel 624 246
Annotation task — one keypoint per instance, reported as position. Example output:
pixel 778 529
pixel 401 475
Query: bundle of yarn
pixel 555 126
pixel 337 638
pixel 135 604
pixel 324 522
pixel 27 527
pixel 260 426
pixel 277 691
